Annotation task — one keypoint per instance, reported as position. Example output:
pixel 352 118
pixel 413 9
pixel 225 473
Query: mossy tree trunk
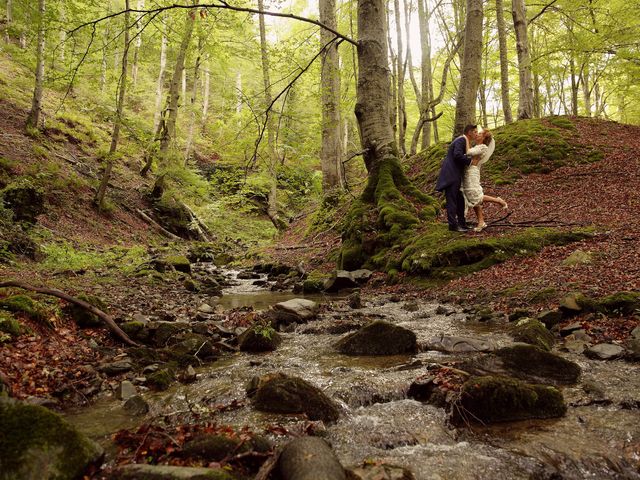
pixel 504 62
pixel 33 119
pixel 383 213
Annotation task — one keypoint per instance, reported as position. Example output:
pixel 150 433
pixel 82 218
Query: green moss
pixel 162 379
pixel 498 399
pixel 82 317
pixel 443 254
pixel 533 332
pixel 24 305
pixel 621 303
pixel 542 295
pixel 529 360
pixel 37 443
pixel 9 325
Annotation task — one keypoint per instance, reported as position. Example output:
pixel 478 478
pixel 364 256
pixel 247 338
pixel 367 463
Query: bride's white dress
pixel 471 188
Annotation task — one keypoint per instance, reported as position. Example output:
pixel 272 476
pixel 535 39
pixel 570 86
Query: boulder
pixel 36 443
pixel 633 348
pixel 550 318
pixel 166 472
pixel 499 399
pixel 377 471
pixel 518 313
pixel 213 448
pixel 312 285
pixel 573 303
pixel 259 338
pixel 309 458
pixel 161 379
pixel 453 344
pixel 527 363
pixel 533 332
pixel 125 390
pixel 193 345
pixel 578 257
pixel 635 333
pixel 296 310
pixel 136 405
pixel 570 328
pixel 621 303
pixel 604 351
pixel 280 393
pixel 378 338
pixel 361 276
pixel 354 300
pixel 161 331
pixel 340 280
pixel 115 368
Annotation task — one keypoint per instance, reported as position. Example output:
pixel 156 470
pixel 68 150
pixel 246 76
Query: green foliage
pixel 65 256
pixel 264 329
pixel 9 325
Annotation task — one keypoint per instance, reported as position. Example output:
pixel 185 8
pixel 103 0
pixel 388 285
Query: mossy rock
pixel 259 338
pixel 202 252
pixel 621 303
pixel 214 448
pixel 24 305
pixel 162 379
pixel 499 399
pixel 167 472
pixel 179 262
pixel 533 332
pixel 10 325
pixel 378 338
pixel 280 393
pixel 313 285
pixel 83 318
pixel 135 330
pixel 438 253
pixel 37 443
pixel 25 200
pixel 530 362
pixel 191 347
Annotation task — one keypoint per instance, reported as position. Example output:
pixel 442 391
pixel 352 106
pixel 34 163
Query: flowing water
pixel 594 440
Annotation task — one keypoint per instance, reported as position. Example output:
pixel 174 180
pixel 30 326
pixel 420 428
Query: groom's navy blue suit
pixel 450 179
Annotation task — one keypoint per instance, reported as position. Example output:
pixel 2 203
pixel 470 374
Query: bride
pixel 471 188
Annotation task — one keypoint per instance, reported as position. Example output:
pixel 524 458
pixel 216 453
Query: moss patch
pixel 499 399
pixel 442 254
pixel 533 332
pixel 37 443
pixel 9 325
pixel 24 305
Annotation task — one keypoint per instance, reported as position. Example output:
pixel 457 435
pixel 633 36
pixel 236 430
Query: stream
pixel 598 438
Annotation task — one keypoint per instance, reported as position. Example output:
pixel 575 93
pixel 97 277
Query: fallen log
pixel 107 319
pixel 151 221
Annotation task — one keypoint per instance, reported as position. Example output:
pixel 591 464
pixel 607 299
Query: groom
pixel 450 178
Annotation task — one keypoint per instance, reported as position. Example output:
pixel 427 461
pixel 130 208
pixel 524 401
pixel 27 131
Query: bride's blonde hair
pixel 487 136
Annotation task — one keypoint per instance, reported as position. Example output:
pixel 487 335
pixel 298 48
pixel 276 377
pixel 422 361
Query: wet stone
pixel 117 367
pixel 378 338
pixel 454 344
pixel 569 329
pixel 125 390
pixel 298 310
pixel 550 318
pixel 604 351
pixel 136 405
pixel 373 471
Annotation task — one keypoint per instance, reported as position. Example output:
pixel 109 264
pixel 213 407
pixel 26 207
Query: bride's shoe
pixel 480 227
pixel 503 203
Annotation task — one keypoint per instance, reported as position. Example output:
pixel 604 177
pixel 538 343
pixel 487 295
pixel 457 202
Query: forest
pixel 300 240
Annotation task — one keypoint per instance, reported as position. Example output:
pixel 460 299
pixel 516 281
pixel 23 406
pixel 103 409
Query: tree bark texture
pixel 331 147
pixel 470 70
pixel 525 98
pixel 168 128
pixel 160 83
pixel 9 10
pixel 586 90
pixel 504 62
pixel 427 76
pixel 192 102
pixel 138 44
pixel 33 119
pixel 115 136
pixel 400 66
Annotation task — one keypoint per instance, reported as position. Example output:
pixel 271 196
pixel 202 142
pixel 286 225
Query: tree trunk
pixel 63 36
pixel 427 75
pixel 33 119
pixel 586 90
pixel 525 98
pixel 393 111
pixel 206 93
pixel 238 91
pixel 574 87
pixel 383 215
pixel 168 125
pixel 400 65
pixel 138 44
pixel 331 148
pixel 160 83
pixel 7 37
pixel 470 71
pixel 272 201
pixel 115 137
pixel 192 102
pixel 504 62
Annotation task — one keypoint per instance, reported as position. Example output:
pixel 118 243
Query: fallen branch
pixel 151 221
pixel 107 319
pixel 268 466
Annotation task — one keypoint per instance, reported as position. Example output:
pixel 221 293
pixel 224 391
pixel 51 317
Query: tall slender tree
pixel 33 119
pixel 99 199
pixel 470 71
pixel 525 97
pixel 331 146
pixel 504 62
pixel 400 69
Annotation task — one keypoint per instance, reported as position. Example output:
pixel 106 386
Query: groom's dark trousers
pixel 450 180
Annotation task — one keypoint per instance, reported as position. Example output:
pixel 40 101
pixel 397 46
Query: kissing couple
pixel 459 178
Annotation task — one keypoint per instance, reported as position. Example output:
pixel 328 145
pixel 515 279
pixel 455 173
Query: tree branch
pixel 544 9
pixel 107 319
pixel 222 4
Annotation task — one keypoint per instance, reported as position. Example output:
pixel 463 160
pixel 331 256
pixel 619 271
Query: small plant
pixel 264 329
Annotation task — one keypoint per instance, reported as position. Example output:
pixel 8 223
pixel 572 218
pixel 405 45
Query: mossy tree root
pixel 107 319
pixel 390 207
